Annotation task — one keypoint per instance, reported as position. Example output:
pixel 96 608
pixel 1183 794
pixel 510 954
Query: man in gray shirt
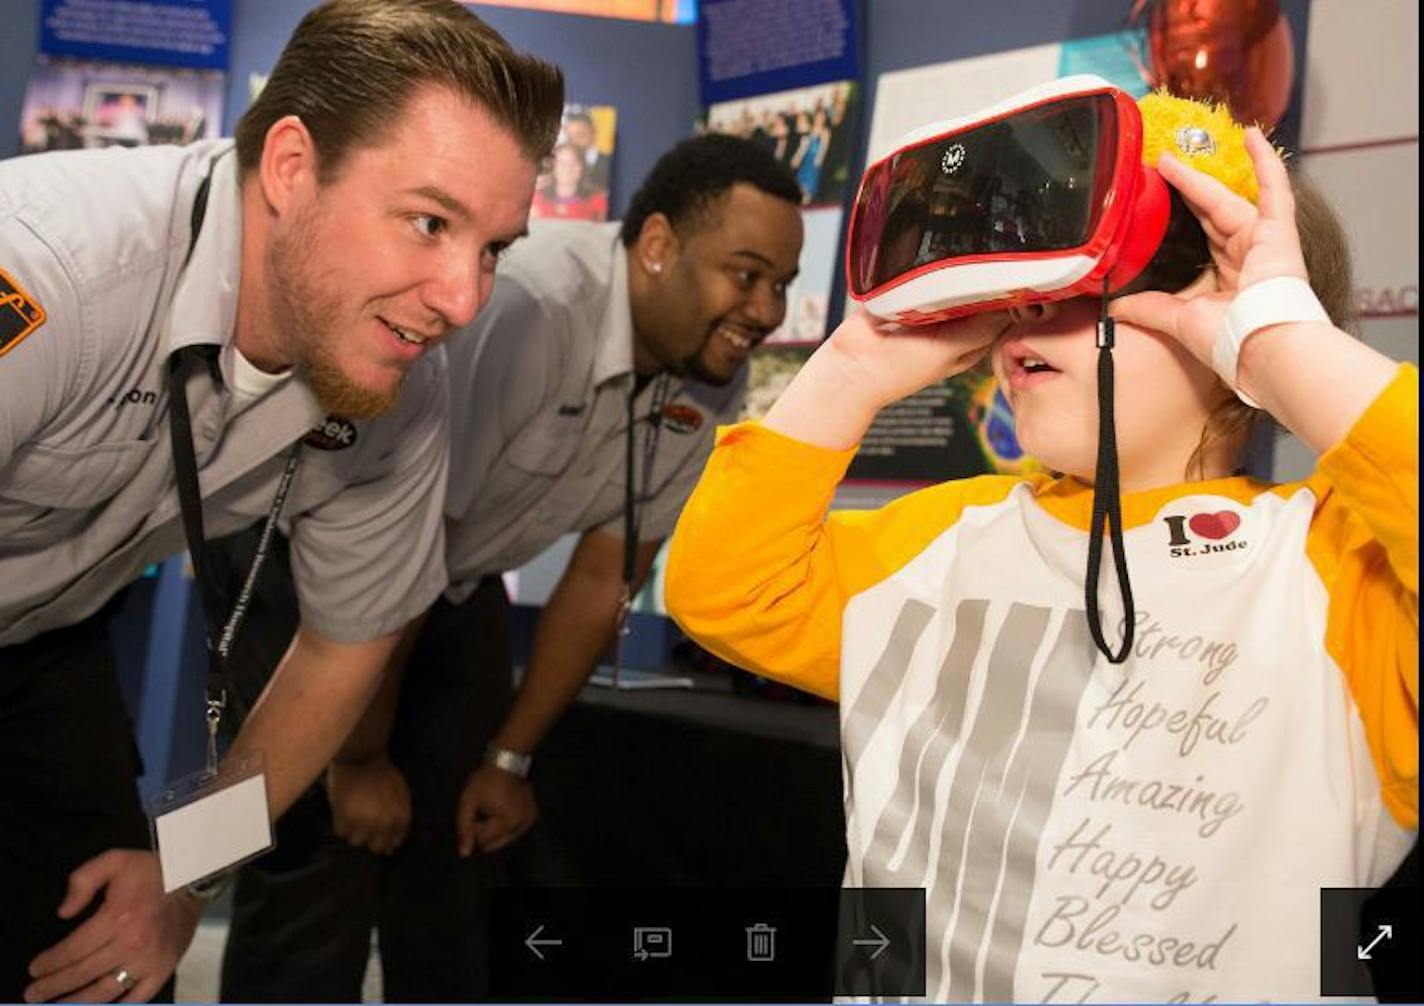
pixel 588 325
pixel 301 279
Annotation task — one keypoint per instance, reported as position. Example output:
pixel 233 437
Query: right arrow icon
pixel 1385 933
pixel 880 942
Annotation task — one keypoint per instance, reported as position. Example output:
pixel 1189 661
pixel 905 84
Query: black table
pixel 687 788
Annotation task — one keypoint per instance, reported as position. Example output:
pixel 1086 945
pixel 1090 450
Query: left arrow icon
pixel 533 942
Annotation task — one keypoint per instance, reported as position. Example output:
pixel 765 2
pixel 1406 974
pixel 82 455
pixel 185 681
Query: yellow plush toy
pixel 1201 134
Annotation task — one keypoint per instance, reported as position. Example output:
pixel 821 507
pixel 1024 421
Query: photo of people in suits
pixel 811 130
pixel 575 186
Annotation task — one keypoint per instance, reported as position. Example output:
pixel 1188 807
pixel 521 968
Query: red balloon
pixel 1235 51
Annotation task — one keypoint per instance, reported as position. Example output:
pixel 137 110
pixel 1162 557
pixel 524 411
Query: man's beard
pixel 309 311
pixel 693 367
pixel 339 395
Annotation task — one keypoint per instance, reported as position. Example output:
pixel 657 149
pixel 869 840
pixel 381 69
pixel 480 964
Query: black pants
pixel 68 771
pixel 303 914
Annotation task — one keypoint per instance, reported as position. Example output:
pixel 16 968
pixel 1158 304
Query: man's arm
pixel 574 630
pixel 370 799
pixel 316 695
pixel 315 698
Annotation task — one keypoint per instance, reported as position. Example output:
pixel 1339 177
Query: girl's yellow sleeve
pixel 759 574
pixel 1364 543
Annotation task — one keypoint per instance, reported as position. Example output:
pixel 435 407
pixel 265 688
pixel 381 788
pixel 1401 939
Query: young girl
pixel 1154 830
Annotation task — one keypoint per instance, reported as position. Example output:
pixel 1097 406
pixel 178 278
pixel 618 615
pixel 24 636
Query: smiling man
pixel 589 324
pixel 297 286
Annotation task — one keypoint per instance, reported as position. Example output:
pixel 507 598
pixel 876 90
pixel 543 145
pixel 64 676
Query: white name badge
pixel 205 824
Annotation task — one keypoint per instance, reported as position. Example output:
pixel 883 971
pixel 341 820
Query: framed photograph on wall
pixel 72 104
pixel 575 186
pixel 119 113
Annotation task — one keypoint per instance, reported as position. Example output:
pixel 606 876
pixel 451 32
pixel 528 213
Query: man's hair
pixel 352 65
pixel 693 175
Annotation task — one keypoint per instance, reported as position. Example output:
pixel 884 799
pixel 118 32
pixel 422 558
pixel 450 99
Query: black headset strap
pixel 1107 501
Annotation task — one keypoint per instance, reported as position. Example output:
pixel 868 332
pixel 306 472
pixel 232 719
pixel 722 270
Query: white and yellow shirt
pixel 1086 831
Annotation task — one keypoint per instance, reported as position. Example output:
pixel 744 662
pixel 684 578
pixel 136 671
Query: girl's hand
pixel 1248 244
pixel 889 363
pixel 864 366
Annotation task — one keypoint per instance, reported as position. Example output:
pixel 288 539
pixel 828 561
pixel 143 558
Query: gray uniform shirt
pixel 539 392
pixel 97 241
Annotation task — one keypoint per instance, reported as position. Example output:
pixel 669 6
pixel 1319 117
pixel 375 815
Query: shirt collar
pixel 1070 500
pixel 204 306
pixel 614 353
pixel 203 311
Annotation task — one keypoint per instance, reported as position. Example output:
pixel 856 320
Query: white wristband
pixel 1269 302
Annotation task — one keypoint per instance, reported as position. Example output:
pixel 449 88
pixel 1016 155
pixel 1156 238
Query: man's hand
pixel 495 809
pixel 370 803
pixel 138 930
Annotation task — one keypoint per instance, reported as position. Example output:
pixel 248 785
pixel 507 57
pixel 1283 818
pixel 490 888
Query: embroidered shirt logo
pixel 681 418
pixel 1204 533
pixel 334 434
pixel 20 314
pixel 133 396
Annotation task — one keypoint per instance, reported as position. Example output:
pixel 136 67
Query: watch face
pixel 509 761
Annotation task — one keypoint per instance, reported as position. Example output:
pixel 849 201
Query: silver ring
pixel 126 980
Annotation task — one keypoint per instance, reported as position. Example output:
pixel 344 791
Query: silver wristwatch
pixel 513 762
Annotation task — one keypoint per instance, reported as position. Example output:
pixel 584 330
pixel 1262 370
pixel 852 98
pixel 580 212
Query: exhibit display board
pixel 1359 144
pixel 675 11
pixel 751 47
pixel 192 33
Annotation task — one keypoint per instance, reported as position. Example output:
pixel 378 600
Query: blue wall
pixel 19 37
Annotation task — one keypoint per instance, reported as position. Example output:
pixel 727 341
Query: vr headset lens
pixel 1031 182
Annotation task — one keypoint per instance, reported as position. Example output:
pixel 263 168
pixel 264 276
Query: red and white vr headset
pixel 1040 197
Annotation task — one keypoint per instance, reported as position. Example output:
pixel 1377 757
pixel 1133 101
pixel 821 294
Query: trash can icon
pixel 761 942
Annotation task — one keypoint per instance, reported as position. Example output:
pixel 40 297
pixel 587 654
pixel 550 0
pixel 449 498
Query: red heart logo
pixel 1214 525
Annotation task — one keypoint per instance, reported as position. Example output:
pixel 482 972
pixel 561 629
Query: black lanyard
pixel 185 468
pixel 1107 501
pixel 632 519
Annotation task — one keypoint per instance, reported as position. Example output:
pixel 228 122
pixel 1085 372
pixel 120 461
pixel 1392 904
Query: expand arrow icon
pixel 879 943
pixel 534 943
pixel 1385 933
